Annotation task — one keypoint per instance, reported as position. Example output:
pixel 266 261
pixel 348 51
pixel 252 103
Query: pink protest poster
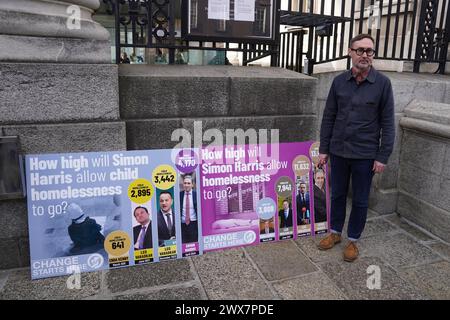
pixel 250 194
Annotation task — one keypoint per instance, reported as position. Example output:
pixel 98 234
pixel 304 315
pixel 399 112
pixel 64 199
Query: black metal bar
pixel 388 25
pixel 397 18
pixel 309 52
pixel 377 41
pixel 298 63
pixel 322 7
pixel 300 9
pixel 275 47
pixel 133 30
pixel 420 38
pixel 441 24
pixel 443 58
pixel 405 21
pixel 441 20
pixel 117 26
pixel 333 5
pixel 413 26
pixel 369 25
pixel 290 5
pixel 361 17
pixel 352 15
pixel 283 50
pixel 149 24
pixel 342 24
pixel 172 30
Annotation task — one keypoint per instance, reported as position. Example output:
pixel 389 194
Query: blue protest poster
pixel 100 210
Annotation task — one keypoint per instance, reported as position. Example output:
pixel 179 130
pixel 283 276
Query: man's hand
pixel 378 167
pixel 323 159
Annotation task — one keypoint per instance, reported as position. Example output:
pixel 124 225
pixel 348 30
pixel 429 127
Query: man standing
pixel 142 233
pixel 166 218
pixel 188 204
pixel 285 215
pixel 302 204
pixel 357 134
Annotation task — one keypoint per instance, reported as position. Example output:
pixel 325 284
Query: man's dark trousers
pixel 360 171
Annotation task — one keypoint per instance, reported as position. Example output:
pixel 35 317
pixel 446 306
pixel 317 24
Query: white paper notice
pixel 219 9
pixel 244 10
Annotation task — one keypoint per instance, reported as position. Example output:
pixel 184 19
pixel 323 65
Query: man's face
pixel 285 205
pixel 187 184
pixel 165 202
pixel 361 62
pixel 141 216
pixel 319 179
pixel 303 188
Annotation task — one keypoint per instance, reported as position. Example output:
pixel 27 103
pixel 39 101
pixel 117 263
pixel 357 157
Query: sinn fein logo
pixel 249 237
pixel 95 261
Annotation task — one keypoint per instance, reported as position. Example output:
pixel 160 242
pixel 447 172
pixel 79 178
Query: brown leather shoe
pixel 329 241
pixel 351 252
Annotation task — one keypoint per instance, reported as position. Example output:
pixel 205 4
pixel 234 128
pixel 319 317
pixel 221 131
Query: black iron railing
pixel 404 30
pixel 151 24
pixel 317 31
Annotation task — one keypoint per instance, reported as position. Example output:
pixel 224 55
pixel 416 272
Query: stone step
pixel 155 91
pixel 57 93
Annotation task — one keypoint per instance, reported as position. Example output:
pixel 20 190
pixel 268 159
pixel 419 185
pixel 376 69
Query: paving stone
pixel 149 275
pixel 441 248
pixel 270 256
pixel 377 226
pixel 353 279
pixel 399 250
pixel 230 275
pixel 401 223
pixel 313 286
pixel 20 286
pixel 432 279
pixel 188 293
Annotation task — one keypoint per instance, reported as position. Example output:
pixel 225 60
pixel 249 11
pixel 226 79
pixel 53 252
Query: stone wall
pixel 155 100
pixel 54 108
pixel 424 178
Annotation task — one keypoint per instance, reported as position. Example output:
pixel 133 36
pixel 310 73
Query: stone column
pixel 58 93
pixel 41 31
